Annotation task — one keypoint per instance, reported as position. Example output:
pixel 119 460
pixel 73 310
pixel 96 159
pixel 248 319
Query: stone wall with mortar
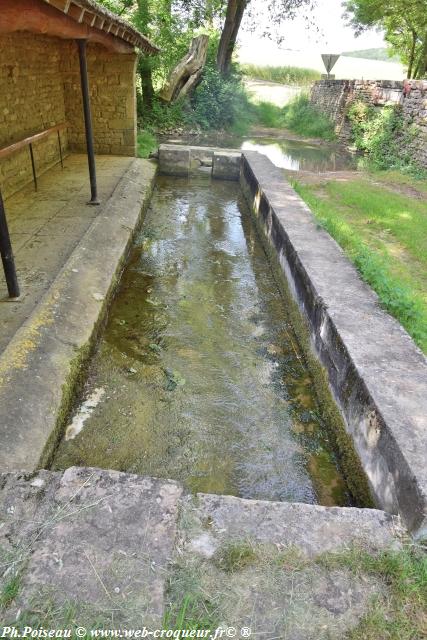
pixel 113 100
pixel 334 98
pixel 31 100
pixel 40 82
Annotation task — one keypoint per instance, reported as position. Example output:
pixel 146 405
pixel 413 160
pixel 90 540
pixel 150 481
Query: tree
pixel 404 23
pixel 167 27
pixel 277 10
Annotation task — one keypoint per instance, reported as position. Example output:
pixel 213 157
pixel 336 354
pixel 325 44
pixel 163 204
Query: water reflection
pixel 300 156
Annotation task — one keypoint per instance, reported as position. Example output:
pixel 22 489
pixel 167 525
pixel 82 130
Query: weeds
pixel 384 137
pixel 402 614
pixel 300 116
pixel 235 557
pixel 9 591
pixel 269 115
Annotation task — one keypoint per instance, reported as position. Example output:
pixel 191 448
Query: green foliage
pixel 304 118
pixel 147 143
pixel 382 134
pixel 219 102
pixel 285 75
pixel 401 615
pixel 269 115
pixel 165 117
pixel 195 613
pixel 406 223
pixel 404 24
pixel 9 591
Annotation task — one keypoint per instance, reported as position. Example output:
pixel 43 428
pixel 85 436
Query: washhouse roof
pixel 98 17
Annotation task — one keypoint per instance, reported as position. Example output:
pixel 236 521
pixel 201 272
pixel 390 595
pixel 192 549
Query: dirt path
pixel 314 178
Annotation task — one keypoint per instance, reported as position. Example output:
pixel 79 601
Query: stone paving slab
pixel 121 550
pixel 311 528
pixel 100 540
pixel 377 374
pixel 41 364
pixel 254 564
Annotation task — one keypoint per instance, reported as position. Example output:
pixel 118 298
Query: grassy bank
pixel 384 233
pixel 282 75
pixel 298 116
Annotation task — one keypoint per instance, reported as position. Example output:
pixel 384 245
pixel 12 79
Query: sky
pixel 334 35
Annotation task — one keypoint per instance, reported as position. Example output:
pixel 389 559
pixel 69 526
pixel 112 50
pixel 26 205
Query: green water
pixel 198 376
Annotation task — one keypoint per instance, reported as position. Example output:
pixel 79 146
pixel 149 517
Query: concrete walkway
pixel 122 551
pixel 42 362
pixel 46 226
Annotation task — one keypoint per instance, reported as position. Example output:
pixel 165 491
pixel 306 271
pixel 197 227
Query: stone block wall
pixel 31 100
pixel 40 87
pixel 113 100
pixel 334 98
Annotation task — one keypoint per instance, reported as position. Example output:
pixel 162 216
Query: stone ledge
pixel 183 160
pixel 376 373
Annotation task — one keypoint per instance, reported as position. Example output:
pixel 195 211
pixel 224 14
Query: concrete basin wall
pixel 375 371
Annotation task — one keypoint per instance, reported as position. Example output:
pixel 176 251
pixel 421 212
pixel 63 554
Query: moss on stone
pixel 348 457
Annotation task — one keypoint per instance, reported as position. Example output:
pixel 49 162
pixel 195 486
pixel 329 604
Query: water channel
pixel 198 376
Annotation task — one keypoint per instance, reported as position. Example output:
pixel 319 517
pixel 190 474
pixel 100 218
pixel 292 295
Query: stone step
pixel 121 549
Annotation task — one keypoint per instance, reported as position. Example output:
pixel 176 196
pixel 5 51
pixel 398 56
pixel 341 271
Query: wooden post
pixel 84 80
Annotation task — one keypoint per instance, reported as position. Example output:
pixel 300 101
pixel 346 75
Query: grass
pixel 283 75
pixel 303 118
pixel 298 116
pixel 385 235
pixel 269 115
pixel 9 591
pixel 147 143
pixel 396 612
pixel 235 557
pixel 401 614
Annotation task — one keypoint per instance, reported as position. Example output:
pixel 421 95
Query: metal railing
pixel 6 251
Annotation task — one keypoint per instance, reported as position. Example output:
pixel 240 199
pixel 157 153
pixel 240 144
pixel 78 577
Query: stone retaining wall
pixel 31 100
pixel 113 99
pixel 334 98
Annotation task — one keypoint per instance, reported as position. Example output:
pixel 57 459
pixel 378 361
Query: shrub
pixel 219 102
pixel 163 116
pixel 381 133
pixel 269 114
pixel 301 116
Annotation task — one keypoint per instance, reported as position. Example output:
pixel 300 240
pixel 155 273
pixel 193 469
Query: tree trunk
pixel 421 67
pixel 145 72
pixel 412 54
pixel 233 19
pixel 187 72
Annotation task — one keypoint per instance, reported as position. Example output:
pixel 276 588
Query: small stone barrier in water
pixel 178 160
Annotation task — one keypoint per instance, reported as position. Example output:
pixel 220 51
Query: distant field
pixel 283 75
pixel 372 54
pixel 346 68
